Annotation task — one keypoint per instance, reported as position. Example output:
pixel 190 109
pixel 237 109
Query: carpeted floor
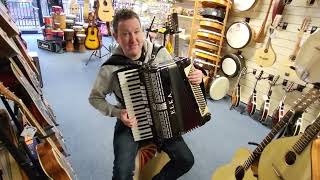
pixel 89 134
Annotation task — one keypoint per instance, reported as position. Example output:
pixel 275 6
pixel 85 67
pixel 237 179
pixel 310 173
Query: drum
pixel 213 13
pixel 211 35
pixel 69 24
pixel 81 38
pixel 205 55
pixel 61 18
pixel 47 34
pixel 68 36
pixel 214 3
pixel 218 88
pixel 58 35
pixel 71 17
pixel 48 22
pixel 231 64
pixel 57 9
pixel 211 24
pixel 207 46
pixel 243 5
pixel 239 35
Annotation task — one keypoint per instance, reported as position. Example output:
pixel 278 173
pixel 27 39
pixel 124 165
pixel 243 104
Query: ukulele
pixel 278 113
pixel 239 167
pixel 252 103
pixel 92 40
pixel 105 10
pixel 266 101
pixel 287 66
pixel 289 158
pixel 265 56
pixel 236 93
pixel 52 161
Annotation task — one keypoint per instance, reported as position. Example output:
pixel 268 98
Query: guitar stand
pixel 98 51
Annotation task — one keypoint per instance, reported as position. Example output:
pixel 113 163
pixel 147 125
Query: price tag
pixel 28 132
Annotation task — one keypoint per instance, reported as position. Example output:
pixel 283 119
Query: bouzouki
pixel 252 103
pixel 92 40
pixel 266 56
pixel 236 93
pixel 105 10
pixel 278 113
pixel 287 64
pixel 238 169
pixel 53 162
pixel 266 101
pixel 289 158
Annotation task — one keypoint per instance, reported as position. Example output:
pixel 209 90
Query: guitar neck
pixel 307 136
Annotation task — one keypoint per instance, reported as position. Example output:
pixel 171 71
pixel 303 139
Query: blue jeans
pixel 125 151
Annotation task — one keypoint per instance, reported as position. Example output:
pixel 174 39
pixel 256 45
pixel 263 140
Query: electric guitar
pixel 238 168
pixel 92 40
pixel 289 158
pixel 265 56
pixel 278 113
pixel 266 101
pixel 287 67
pixel 105 10
pixel 252 103
pixel 53 162
pixel 236 93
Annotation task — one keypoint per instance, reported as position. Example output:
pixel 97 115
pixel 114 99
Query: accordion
pixel 163 101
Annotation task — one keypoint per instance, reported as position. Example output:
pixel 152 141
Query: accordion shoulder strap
pixel 155 49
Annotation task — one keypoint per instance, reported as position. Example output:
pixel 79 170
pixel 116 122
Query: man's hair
pixel 122 15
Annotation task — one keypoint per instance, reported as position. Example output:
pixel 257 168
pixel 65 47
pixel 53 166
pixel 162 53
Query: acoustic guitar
pixel 266 101
pixel 238 168
pixel 265 56
pixel 289 158
pixel 92 40
pixel 53 162
pixel 287 66
pixel 85 10
pixel 252 103
pixel 105 10
pixel 278 113
pixel 236 93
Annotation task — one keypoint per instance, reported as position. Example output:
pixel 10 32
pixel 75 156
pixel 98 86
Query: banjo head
pixel 243 5
pixel 238 35
pixel 219 88
pixel 307 63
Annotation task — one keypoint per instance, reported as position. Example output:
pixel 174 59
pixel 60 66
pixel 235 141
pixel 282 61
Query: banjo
pixel 214 36
pixel 239 35
pixel 209 46
pixel 212 24
pixel 231 64
pixel 205 54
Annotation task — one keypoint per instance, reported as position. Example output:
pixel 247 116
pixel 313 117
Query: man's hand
pixel 130 122
pixel 195 77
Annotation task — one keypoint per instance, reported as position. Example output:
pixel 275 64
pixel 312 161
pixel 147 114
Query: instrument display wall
pixel 283 44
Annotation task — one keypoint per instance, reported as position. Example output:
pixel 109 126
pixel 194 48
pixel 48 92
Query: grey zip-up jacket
pixel 106 82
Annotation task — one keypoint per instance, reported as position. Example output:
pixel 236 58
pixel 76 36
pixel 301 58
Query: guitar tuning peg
pixel 270 77
pixel 254 71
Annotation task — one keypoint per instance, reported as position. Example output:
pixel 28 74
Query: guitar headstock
pixel 306 100
pixel 8 94
pixel 275 80
pixel 276 21
pixel 304 26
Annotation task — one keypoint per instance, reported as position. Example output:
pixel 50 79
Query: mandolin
pixel 265 56
pixel 236 93
pixel 105 10
pixel 287 67
pixel 53 162
pixel 278 113
pixel 92 40
pixel 266 101
pixel 289 157
pixel 252 103
pixel 238 168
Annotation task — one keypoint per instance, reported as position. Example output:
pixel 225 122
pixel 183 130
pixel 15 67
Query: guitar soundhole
pixel 266 51
pixel 105 3
pixel 239 173
pixel 290 158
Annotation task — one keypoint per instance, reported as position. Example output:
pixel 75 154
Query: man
pixel 128 34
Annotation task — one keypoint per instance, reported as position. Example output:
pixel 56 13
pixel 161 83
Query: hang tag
pixel 28 132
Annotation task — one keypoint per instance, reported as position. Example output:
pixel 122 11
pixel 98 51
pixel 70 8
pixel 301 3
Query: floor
pixel 89 134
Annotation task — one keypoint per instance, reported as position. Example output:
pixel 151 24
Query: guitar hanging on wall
pixel 252 103
pixel 92 40
pixel 266 101
pixel 105 10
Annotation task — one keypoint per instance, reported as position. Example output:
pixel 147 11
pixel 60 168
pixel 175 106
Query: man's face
pixel 130 38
